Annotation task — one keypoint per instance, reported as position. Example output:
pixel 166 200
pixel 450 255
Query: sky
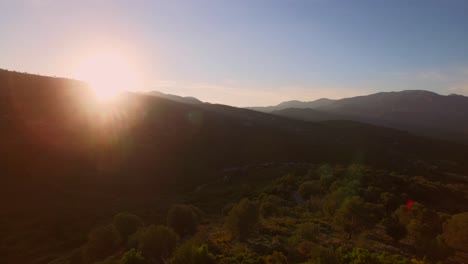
pixel 249 52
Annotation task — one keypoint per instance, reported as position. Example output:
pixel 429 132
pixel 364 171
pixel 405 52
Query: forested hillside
pixel 71 163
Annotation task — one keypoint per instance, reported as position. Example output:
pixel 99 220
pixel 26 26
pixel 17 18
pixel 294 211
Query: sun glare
pixel 108 74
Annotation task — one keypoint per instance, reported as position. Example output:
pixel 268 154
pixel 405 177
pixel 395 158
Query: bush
pixel 133 257
pixel 240 254
pixel 184 218
pixel 309 188
pixel 308 231
pixel 102 242
pixel 276 258
pixel 363 256
pixel 456 231
pixel 242 219
pixel 156 242
pixel 127 224
pixel 271 205
pixel 354 215
pixel 189 253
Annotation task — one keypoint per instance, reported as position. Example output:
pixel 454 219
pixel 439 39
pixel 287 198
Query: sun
pixel 109 74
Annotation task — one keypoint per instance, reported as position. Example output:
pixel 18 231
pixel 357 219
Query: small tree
pixel 156 242
pixel 271 205
pixel 354 215
pixel 242 219
pixel 102 242
pixel 127 224
pixel 456 231
pixel 189 253
pixel 133 257
pixel 184 218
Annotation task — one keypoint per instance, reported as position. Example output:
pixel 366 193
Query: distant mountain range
pixel 182 99
pixel 417 111
pixel 293 104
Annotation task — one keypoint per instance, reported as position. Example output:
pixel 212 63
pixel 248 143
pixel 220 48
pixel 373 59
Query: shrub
pixel 328 256
pixel 240 254
pixel 363 256
pixel 456 231
pixel 127 224
pixel 184 218
pixel 156 242
pixel 102 242
pixel 309 188
pixel 242 219
pixel 354 215
pixel 326 175
pixel 189 253
pixel 133 257
pixel 271 205
pixel 308 231
pixel 276 258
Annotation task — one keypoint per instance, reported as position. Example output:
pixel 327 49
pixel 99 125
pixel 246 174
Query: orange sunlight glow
pixel 109 74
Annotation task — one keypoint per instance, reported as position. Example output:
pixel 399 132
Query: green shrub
pixel 363 256
pixel 189 253
pixel 240 254
pixel 102 242
pixel 276 258
pixel 156 242
pixel 456 231
pixel 242 219
pixel 127 224
pixel 354 215
pixel 184 219
pixel 271 205
pixel 308 231
pixel 133 257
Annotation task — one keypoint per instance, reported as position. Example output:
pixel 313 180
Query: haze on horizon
pixel 247 53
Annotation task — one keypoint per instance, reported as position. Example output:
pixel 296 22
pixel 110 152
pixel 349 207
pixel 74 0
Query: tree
pixel 354 215
pixel 127 224
pixel 183 218
pixel 102 242
pixel 133 257
pixel 271 205
pixel 456 231
pixel 242 219
pixel 156 242
pixel 189 253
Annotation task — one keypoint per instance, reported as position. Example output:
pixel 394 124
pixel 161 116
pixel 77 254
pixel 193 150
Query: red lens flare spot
pixel 409 204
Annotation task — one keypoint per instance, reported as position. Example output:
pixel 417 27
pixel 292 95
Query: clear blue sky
pixel 250 52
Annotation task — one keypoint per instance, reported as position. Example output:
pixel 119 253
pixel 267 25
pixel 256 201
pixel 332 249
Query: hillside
pixel 69 162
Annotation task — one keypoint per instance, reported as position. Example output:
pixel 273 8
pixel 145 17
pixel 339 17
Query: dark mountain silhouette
pixel 66 156
pixel 421 112
pixel 293 104
pixel 182 99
